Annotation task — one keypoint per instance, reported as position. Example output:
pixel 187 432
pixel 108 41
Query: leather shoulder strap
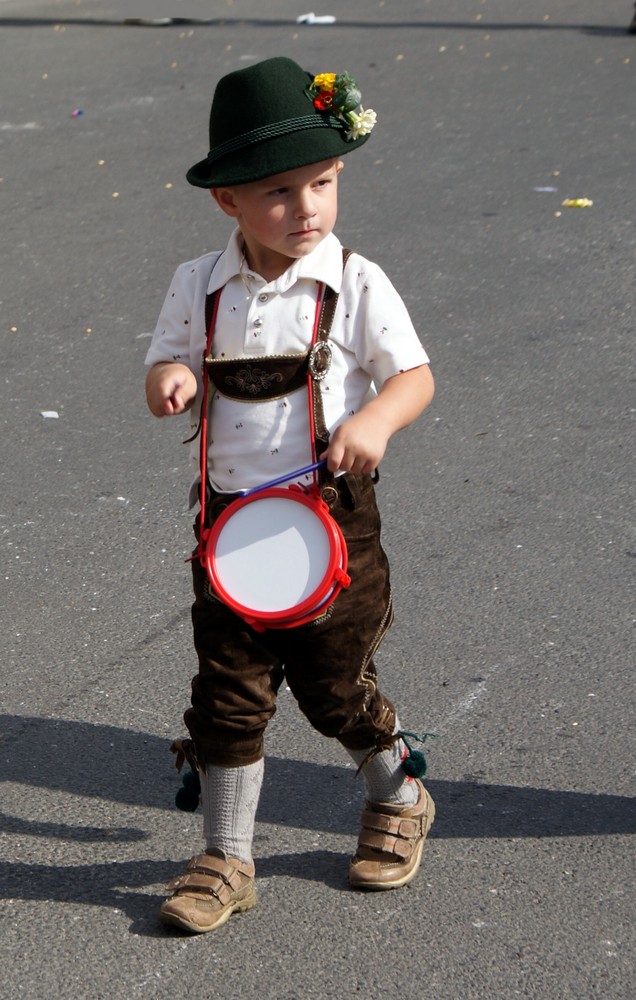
pixel 320 364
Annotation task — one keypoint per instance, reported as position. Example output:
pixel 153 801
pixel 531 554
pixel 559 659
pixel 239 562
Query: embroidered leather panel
pixel 253 380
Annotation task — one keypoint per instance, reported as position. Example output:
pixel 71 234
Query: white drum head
pixel 272 554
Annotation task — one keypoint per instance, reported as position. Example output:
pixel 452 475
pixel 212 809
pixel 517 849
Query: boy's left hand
pixel 358 445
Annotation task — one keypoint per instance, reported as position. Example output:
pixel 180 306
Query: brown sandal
pixel 211 890
pixel 391 843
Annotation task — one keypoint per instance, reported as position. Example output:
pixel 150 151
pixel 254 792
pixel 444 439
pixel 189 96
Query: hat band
pixel 272 132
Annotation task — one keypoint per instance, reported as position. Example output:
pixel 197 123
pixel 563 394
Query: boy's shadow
pixel 133 768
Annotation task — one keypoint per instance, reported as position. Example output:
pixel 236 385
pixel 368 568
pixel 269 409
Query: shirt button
pixel 263 297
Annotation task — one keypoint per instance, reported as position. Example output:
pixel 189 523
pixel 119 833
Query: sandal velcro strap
pixel 397 826
pixel 397 835
pixel 201 883
pixel 386 844
pixel 210 875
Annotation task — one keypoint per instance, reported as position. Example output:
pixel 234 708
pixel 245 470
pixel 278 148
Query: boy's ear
pixel 224 197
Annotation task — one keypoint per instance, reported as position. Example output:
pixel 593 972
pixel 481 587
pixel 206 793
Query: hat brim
pixel 274 156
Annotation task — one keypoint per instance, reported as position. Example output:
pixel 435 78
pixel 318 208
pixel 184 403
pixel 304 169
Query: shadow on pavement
pixel 115 885
pixel 134 768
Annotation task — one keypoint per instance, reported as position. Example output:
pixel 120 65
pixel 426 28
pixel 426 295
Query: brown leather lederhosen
pixel 328 663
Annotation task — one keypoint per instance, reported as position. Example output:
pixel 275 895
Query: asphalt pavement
pixel 508 508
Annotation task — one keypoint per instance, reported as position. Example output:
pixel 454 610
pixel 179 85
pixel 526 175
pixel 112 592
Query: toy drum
pixel 277 558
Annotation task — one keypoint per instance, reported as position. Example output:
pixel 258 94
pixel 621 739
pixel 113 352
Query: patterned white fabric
pixel 372 338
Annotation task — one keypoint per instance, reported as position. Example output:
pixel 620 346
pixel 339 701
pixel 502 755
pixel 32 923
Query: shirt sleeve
pixel 377 325
pixel 180 332
pixel 171 338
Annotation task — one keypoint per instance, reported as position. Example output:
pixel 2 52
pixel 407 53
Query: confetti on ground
pixel 50 414
pixel 545 190
pixel 77 113
pixel 577 203
pixel 312 18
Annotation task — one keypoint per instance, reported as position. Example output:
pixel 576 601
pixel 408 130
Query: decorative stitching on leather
pixel 253 380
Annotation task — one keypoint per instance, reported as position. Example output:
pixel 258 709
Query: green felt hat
pixel 273 117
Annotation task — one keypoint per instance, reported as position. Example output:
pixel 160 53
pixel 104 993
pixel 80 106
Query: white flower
pixel 360 124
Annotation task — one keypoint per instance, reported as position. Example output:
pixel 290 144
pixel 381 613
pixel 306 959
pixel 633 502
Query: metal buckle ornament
pixel 320 358
pixel 329 494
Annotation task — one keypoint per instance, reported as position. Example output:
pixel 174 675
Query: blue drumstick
pixel 284 479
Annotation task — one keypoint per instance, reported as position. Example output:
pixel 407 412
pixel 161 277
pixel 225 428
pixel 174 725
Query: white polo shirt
pixel 372 339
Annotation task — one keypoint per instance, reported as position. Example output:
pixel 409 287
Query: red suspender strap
pixel 310 378
pixel 203 488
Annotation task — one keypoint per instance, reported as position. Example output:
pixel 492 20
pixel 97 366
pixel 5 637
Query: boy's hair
pixel 273 117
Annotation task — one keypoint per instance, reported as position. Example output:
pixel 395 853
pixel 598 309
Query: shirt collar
pixel 228 263
pixel 324 264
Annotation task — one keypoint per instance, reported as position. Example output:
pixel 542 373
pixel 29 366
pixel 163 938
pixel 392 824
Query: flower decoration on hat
pixel 338 95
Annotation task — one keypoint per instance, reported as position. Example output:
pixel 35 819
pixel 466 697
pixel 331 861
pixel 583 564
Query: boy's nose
pixel 305 205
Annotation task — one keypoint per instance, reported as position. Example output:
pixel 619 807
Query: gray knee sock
pixel 229 797
pixel 383 775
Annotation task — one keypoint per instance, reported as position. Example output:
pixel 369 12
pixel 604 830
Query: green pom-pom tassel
pixel 414 764
pixel 187 798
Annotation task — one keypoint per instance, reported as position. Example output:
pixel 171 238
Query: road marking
pixel 10 127
pixel 465 704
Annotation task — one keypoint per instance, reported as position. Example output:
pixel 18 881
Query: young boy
pixel 277 136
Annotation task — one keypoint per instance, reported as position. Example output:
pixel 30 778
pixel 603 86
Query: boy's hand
pixel 170 389
pixel 358 445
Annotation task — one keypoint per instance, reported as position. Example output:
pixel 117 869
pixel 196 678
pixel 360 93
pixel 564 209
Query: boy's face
pixel 285 216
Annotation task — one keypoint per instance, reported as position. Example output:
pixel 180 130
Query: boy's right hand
pixel 170 389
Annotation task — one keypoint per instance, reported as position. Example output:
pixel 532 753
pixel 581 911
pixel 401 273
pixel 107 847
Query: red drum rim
pixel 315 604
